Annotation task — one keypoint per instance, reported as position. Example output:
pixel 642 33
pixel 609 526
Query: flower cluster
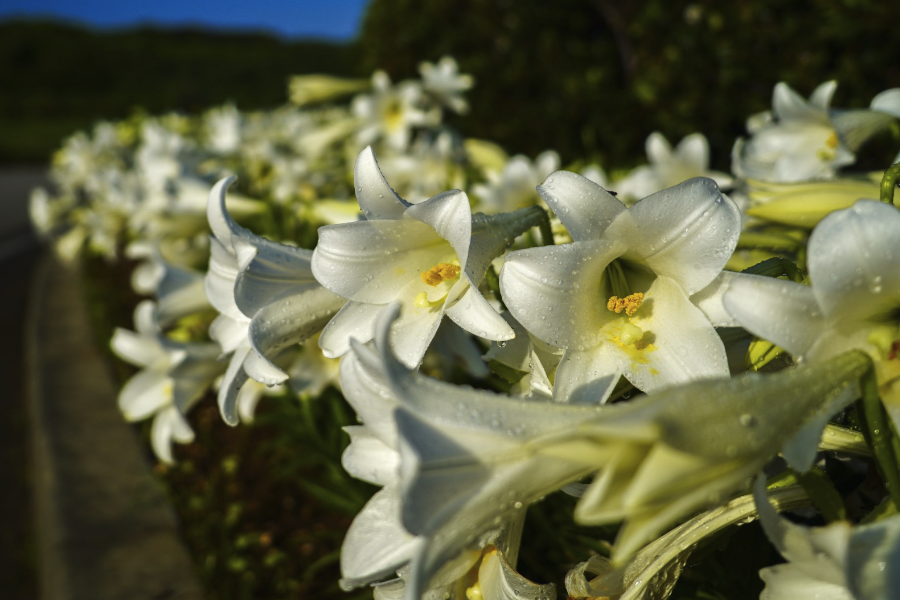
pixel 649 342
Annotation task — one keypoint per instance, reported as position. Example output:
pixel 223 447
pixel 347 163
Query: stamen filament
pixel 421 301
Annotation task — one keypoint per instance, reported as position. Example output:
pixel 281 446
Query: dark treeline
pixel 56 78
pixel 589 78
pixel 595 77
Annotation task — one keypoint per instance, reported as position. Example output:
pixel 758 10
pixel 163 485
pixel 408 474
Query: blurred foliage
pixel 594 77
pixel 264 507
pixel 57 78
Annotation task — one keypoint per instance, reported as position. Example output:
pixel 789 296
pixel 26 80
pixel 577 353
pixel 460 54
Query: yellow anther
pixel 629 304
pixel 440 272
pixel 833 141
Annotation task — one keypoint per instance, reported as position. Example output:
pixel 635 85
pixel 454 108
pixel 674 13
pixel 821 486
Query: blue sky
pixel 335 19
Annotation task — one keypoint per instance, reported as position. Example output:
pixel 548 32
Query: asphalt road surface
pixel 19 251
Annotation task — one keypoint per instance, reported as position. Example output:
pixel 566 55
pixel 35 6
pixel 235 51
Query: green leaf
pixel 825 498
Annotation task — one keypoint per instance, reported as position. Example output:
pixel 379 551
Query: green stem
pixel 889 183
pixel 776 266
pixel 884 510
pixel 546 230
pixel 823 494
pixel 760 353
pixel 879 434
pixel 493 282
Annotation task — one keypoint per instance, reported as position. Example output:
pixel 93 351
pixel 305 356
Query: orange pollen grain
pixel 439 273
pixel 629 304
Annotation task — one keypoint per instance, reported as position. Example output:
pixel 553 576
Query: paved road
pixel 19 251
pixel 104 529
pixel 16 183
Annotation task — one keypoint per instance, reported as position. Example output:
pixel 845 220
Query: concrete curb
pixel 105 530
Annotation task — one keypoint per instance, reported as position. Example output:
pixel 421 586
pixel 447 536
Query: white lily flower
pixel 390 112
pixel 514 187
pixel 174 376
pixel 268 298
pixel 456 476
pixel 853 300
pixel 179 292
pixel 81 157
pixel 429 256
pixel 528 355
pixel 45 213
pixel 223 129
pixel 802 139
pixel 638 292
pixel 837 561
pixel 426 169
pixel 158 159
pixel 446 84
pixel 796 141
pixel 669 167
pixel 471 459
pixel 311 372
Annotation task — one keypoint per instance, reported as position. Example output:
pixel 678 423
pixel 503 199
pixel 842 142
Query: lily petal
pixel 693 150
pixel 370 459
pixel 277 271
pixel 568 311
pixel 228 332
pixel 586 377
pixel 412 333
pixel 788 105
pixel 857 278
pixel 887 102
pixel 144 394
pixel 376 198
pixel 450 215
pixel 369 393
pixel 710 299
pixel 382 254
pixel 169 425
pixel 474 313
pixel 782 312
pixel 585 208
pixel 354 321
pixel 376 544
pixel 684 346
pixel 234 379
pixel 283 323
pixel 821 96
pixel 139 350
pixel 499 581
pixel 686 232
pixel 220 279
